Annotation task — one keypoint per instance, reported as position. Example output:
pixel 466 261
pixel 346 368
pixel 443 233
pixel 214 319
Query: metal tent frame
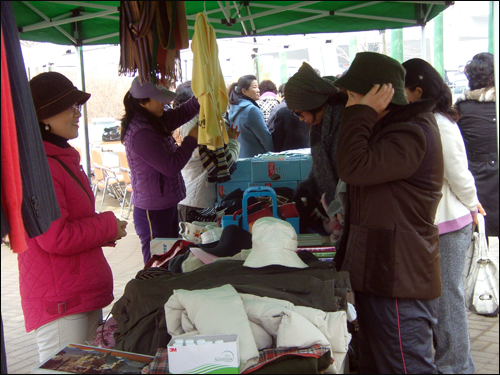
pixel 82 23
pixel 229 18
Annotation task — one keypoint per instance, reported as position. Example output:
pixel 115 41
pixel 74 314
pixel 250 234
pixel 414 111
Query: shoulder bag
pixel 70 172
pixel 480 275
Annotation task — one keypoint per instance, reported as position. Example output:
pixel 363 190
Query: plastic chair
pixel 122 158
pixel 105 178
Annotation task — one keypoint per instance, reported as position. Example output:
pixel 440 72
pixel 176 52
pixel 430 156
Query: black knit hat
pixel 53 93
pixel 369 68
pixel 306 90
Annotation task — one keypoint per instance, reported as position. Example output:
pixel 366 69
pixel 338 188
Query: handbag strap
pixel 70 172
pixel 481 230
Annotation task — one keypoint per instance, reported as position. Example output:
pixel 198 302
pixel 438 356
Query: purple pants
pixel 151 224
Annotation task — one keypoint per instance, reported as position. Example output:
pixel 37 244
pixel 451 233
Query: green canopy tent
pixel 82 23
pixel 97 22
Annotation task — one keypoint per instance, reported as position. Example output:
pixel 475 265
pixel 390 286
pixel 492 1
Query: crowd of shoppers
pixel 395 165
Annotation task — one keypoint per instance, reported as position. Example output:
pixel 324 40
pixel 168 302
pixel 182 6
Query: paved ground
pixel 126 260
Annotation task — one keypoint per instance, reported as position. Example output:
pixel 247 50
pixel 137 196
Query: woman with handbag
pixel 455 214
pixel 65 280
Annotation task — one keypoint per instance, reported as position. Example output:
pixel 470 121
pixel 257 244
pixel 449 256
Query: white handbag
pixel 480 275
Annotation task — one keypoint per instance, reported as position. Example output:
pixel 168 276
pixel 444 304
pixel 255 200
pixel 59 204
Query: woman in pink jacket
pixel 64 278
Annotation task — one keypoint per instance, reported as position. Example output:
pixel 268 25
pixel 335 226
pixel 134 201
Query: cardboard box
pixel 225 188
pixel 243 170
pixel 213 358
pixel 75 359
pixel 276 169
pixel 162 245
pixel 305 166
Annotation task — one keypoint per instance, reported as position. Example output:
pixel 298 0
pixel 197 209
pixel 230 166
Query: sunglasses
pixel 75 108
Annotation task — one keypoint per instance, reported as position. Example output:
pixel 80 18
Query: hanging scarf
pixel 152 33
pixel 324 150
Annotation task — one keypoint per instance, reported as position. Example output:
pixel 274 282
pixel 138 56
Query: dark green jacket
pixel 141 316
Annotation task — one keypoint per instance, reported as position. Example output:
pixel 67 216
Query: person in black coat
pixel 288 131
pixel 479 129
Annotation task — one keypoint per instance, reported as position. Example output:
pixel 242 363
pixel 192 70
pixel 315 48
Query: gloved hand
pixel 304 202
pixel 309 208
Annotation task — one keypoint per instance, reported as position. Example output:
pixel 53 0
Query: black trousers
pixel 395 335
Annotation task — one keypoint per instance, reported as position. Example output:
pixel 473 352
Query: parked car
pixel 457 82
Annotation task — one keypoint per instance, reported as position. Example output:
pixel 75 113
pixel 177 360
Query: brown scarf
pixel 152 33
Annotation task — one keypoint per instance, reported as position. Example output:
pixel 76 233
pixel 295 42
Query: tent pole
pixel 257 68
pixel 283 67
pixel 397 44
pixel 438 45
pixel 86 146
pixel 384 43
pixel 495 60
pixel 353 47
pixel 490 29
pixel 423 43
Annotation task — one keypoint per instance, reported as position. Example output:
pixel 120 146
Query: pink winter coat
pixel 64 270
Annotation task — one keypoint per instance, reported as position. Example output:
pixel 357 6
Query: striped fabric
pixel 219 163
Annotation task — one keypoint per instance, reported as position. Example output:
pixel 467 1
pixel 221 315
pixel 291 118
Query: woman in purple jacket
pixel 155 160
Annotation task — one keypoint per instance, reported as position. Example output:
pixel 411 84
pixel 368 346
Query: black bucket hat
pixel 370 68
pixel 53 93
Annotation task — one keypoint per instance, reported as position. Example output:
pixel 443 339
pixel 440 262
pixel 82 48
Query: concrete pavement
pixel 126 260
